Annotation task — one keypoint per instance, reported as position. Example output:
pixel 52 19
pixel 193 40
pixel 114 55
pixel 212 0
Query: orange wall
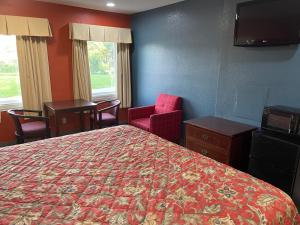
pixel 59 46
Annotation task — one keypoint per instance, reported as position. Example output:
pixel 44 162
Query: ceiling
pixel 122 6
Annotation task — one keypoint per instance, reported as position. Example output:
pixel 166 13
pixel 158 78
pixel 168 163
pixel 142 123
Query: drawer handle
pixel 204 152
pixel 205 137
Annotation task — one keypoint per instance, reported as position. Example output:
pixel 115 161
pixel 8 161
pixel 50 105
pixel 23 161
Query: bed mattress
pixel 123 175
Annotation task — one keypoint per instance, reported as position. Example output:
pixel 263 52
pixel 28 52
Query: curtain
pixel 124 75
pixel 81 71
pixel 34 71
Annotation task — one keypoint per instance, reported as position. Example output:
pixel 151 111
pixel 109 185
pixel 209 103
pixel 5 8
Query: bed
pixel 123 175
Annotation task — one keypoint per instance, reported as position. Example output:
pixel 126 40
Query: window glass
pixel 10 90
pixel 102 61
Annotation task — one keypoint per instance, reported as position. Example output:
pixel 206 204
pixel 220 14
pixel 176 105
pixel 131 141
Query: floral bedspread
pixel 123 175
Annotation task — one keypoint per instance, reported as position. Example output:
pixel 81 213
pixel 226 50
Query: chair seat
pixel 108 116
pixel 105 117
pixel 34 128
pixel 143 123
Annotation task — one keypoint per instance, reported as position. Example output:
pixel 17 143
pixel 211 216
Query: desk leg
pixel 46 114
pixel 81 121
pixel 57 119
pixel 46 111
pixel 95 118
pixel 91 120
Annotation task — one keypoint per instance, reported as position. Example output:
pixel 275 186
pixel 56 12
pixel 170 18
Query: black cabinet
pixel 276 160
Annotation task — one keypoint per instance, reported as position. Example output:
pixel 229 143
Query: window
pixel 102 61
pixel 10 90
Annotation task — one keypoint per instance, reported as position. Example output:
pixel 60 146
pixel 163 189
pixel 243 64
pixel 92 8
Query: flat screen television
pixel 267 23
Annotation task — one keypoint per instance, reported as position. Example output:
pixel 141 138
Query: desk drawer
pixel 207 136
pixel 214 152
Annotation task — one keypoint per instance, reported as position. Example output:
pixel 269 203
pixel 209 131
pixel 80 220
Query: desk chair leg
pixel 91 124
pixel 48 134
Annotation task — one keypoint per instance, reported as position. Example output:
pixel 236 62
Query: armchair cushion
pixel 167 103
pixel 34 128
pixel 140 112
pixel 143 123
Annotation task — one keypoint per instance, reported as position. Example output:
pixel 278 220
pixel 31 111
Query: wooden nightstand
pixel 222 140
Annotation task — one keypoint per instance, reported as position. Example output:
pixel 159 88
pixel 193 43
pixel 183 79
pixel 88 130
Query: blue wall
pixel 187 49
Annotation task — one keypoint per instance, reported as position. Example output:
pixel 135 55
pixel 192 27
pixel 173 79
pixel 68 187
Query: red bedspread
pixel 123 175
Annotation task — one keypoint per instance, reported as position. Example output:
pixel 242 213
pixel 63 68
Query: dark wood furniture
pixel 35 127
pixel 59 107
pixel 107 113
pixel 220 139
pixel 275 159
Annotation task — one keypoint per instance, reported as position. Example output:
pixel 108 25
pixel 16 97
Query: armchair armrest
pixel 38 118
pixel 106 108
pixel 140 112
pixel 165 118
pixel 167 125
pixel 116 103
pixel 100 111
pixel 40 112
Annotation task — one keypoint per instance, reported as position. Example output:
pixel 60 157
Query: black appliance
pixel 282 119
pixel 267 23
pixel 275 150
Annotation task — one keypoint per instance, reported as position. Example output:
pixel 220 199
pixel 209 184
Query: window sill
pixel 104 97
pixel 104 94
pixel 10 103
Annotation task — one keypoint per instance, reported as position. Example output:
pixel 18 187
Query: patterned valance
pixel 86 32
pixel 24 26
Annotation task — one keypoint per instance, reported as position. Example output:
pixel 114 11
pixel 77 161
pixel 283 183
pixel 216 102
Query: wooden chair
pixel 108 113
pixel 36 127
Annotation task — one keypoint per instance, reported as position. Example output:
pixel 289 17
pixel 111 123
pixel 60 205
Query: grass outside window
pixel 9 85
pixel 100 81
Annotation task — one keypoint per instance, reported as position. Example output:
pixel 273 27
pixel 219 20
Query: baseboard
pixel 5 144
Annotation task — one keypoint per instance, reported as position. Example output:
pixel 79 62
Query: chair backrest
pixel 110 106
pixel 115 107
pixel 15 115
pixel 167 103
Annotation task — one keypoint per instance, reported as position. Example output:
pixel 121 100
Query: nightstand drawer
pixel 216 153
pixel 207 136
pixel 220 139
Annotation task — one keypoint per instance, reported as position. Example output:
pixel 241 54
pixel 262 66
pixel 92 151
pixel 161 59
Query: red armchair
pixel 163 119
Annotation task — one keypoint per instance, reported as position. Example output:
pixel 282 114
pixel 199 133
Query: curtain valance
pixel 24 26
pixel 86 32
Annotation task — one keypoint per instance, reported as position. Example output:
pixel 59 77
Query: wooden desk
pixel 222 140
pixel 59 107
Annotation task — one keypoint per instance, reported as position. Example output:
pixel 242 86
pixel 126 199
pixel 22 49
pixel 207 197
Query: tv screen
pixel 267 22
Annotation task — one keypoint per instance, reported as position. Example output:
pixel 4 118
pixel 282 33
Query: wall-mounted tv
pixel 267 23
